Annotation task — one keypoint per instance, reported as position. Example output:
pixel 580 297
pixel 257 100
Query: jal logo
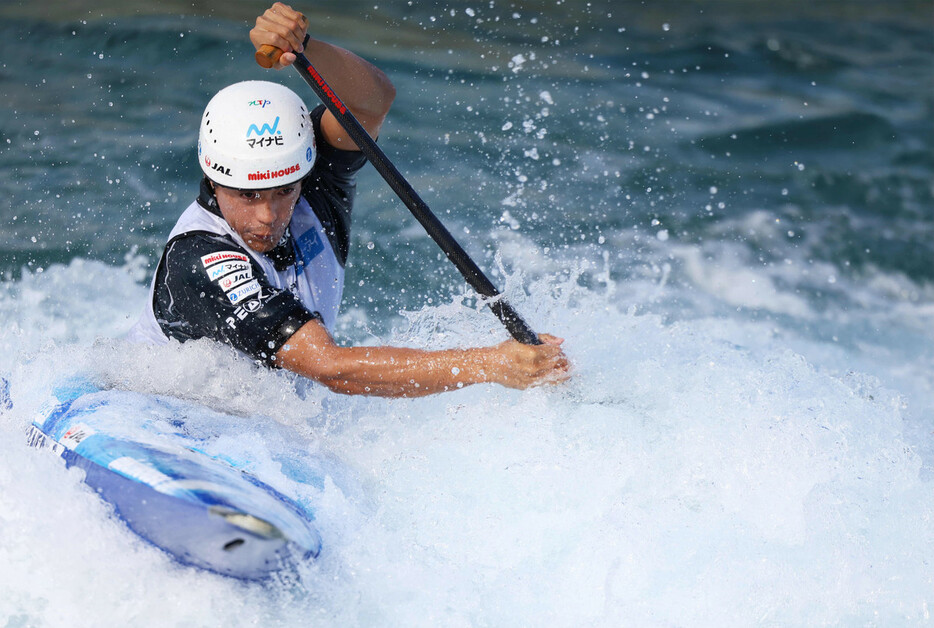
pixel 207 162
pixel 219 168
pixel 232 281
pixel 261 103
pixel 265 129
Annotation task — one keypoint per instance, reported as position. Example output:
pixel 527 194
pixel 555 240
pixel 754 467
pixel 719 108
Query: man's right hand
pixel 521 366
pixel 283 27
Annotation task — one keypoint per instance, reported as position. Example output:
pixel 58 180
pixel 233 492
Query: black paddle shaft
pixel 471 272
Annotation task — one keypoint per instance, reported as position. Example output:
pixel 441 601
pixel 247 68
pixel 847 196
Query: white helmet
pixel 256 135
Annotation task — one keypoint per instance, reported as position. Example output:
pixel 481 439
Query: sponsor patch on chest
pixel 233 280
pixel 223 256
pixel 310 245
pixel 242 292
pixel 223 269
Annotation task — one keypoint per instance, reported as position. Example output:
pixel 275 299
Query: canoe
pixel 204 510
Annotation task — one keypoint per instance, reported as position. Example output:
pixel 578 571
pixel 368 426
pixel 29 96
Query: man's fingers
pixel 277 34
pixel 549 362
pixel 534 365
pixel 292 20
pixel 548 339
pixel 282 27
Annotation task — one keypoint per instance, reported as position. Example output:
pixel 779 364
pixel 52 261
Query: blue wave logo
pixel 263 130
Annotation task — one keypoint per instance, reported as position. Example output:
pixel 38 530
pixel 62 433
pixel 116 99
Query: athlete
pixel 257 261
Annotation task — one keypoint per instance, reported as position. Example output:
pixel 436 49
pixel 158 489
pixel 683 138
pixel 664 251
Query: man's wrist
pixel 479 363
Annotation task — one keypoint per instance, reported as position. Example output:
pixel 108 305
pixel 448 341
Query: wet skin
pixel 260 217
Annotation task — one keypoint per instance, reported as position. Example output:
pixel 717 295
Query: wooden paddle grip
pixel 267 55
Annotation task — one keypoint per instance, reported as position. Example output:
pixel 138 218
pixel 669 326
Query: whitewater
pixel 747 297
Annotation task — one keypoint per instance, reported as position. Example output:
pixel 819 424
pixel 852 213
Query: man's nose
pixel 264 211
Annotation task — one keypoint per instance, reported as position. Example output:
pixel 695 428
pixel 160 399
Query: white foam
pixel 696 472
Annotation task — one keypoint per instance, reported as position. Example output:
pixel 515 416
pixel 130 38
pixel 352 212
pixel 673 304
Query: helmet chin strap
pixel 207 198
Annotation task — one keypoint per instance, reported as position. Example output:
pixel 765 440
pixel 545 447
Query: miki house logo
pixel 261 103
pixel 272 174
pixel 263 130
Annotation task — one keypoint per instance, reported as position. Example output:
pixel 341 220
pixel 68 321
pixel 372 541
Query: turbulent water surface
pixel 726 209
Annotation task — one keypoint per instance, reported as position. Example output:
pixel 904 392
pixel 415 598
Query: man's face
pixel 258 216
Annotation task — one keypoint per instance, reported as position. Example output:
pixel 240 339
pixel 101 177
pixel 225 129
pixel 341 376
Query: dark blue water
pixel 727 209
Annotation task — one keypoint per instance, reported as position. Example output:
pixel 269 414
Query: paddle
pixel 267 56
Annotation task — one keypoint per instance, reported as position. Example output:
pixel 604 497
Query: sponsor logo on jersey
pixel 223 256
pixel 243 311
pixel 310 245
pixel 232 281
pixel 239 294
pixel 225 268
pixel 272 174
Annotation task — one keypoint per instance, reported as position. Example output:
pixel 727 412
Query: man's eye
pixel 286 191
pixel 248 196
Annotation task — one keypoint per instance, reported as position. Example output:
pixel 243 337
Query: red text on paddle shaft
pixel 327 90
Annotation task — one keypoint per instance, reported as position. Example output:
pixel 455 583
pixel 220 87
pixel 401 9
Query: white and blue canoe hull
pixel 202 510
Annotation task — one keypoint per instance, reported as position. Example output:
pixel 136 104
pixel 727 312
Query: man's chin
pixel 260 246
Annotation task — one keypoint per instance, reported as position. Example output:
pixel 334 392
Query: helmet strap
pixel 207 198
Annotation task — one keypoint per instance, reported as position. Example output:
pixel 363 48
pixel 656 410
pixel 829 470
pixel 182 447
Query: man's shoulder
pixel 201 257
pixel 213 247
